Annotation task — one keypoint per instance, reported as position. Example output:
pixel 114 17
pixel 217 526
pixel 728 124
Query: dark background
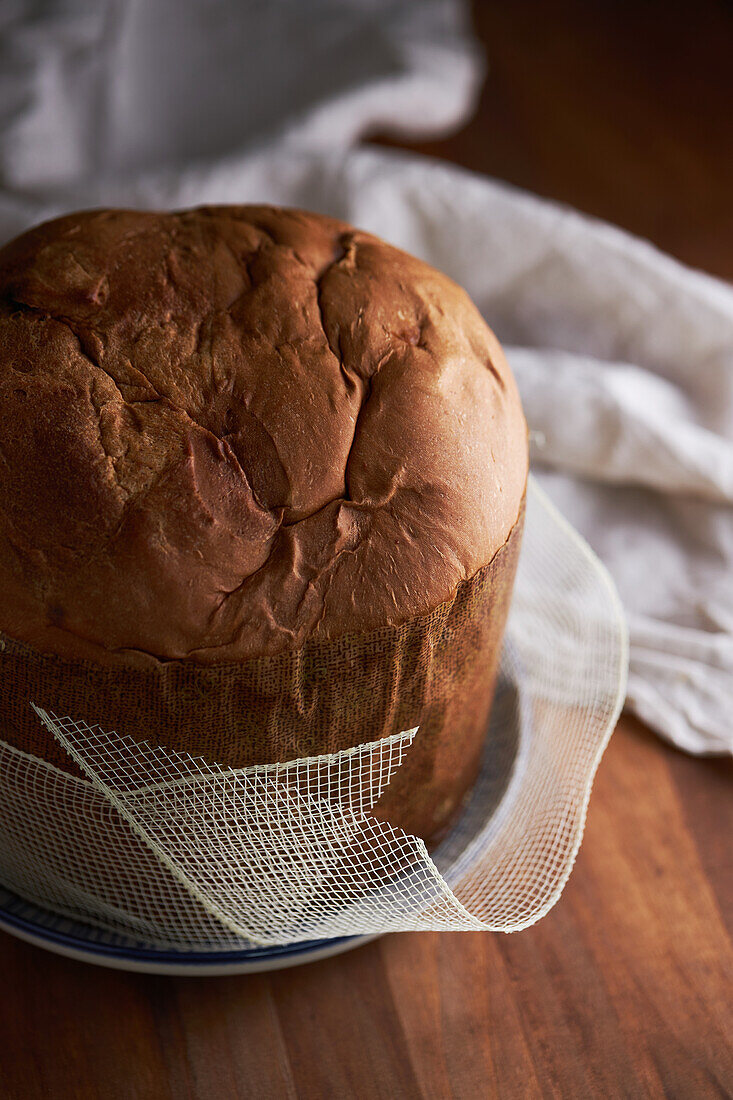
pixel 624 111
pixel 621 109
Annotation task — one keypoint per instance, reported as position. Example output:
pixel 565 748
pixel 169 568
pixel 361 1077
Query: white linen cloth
pixel 624 357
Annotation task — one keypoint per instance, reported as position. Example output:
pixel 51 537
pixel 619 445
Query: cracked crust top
pixel 228 430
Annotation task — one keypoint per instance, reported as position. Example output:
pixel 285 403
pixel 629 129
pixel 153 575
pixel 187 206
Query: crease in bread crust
pixel 254 427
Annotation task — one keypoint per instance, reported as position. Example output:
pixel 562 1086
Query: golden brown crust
pixel 436 671
pixel 227 431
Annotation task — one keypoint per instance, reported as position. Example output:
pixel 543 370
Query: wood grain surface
pixel 624 990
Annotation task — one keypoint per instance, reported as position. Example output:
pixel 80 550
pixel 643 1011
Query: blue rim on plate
pixel 74 938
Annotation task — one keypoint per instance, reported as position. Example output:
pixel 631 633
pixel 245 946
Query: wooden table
pixel 624 990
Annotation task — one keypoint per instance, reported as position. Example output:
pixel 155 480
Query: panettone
pixel 261 493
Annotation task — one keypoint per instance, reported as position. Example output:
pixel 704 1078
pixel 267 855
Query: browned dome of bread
pixel 261 494
pixel 229 430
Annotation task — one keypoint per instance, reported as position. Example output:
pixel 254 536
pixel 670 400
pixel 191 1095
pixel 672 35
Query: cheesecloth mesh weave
pixel 179 852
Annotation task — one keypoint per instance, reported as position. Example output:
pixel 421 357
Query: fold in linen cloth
pixel 118 86
pixel 624 358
